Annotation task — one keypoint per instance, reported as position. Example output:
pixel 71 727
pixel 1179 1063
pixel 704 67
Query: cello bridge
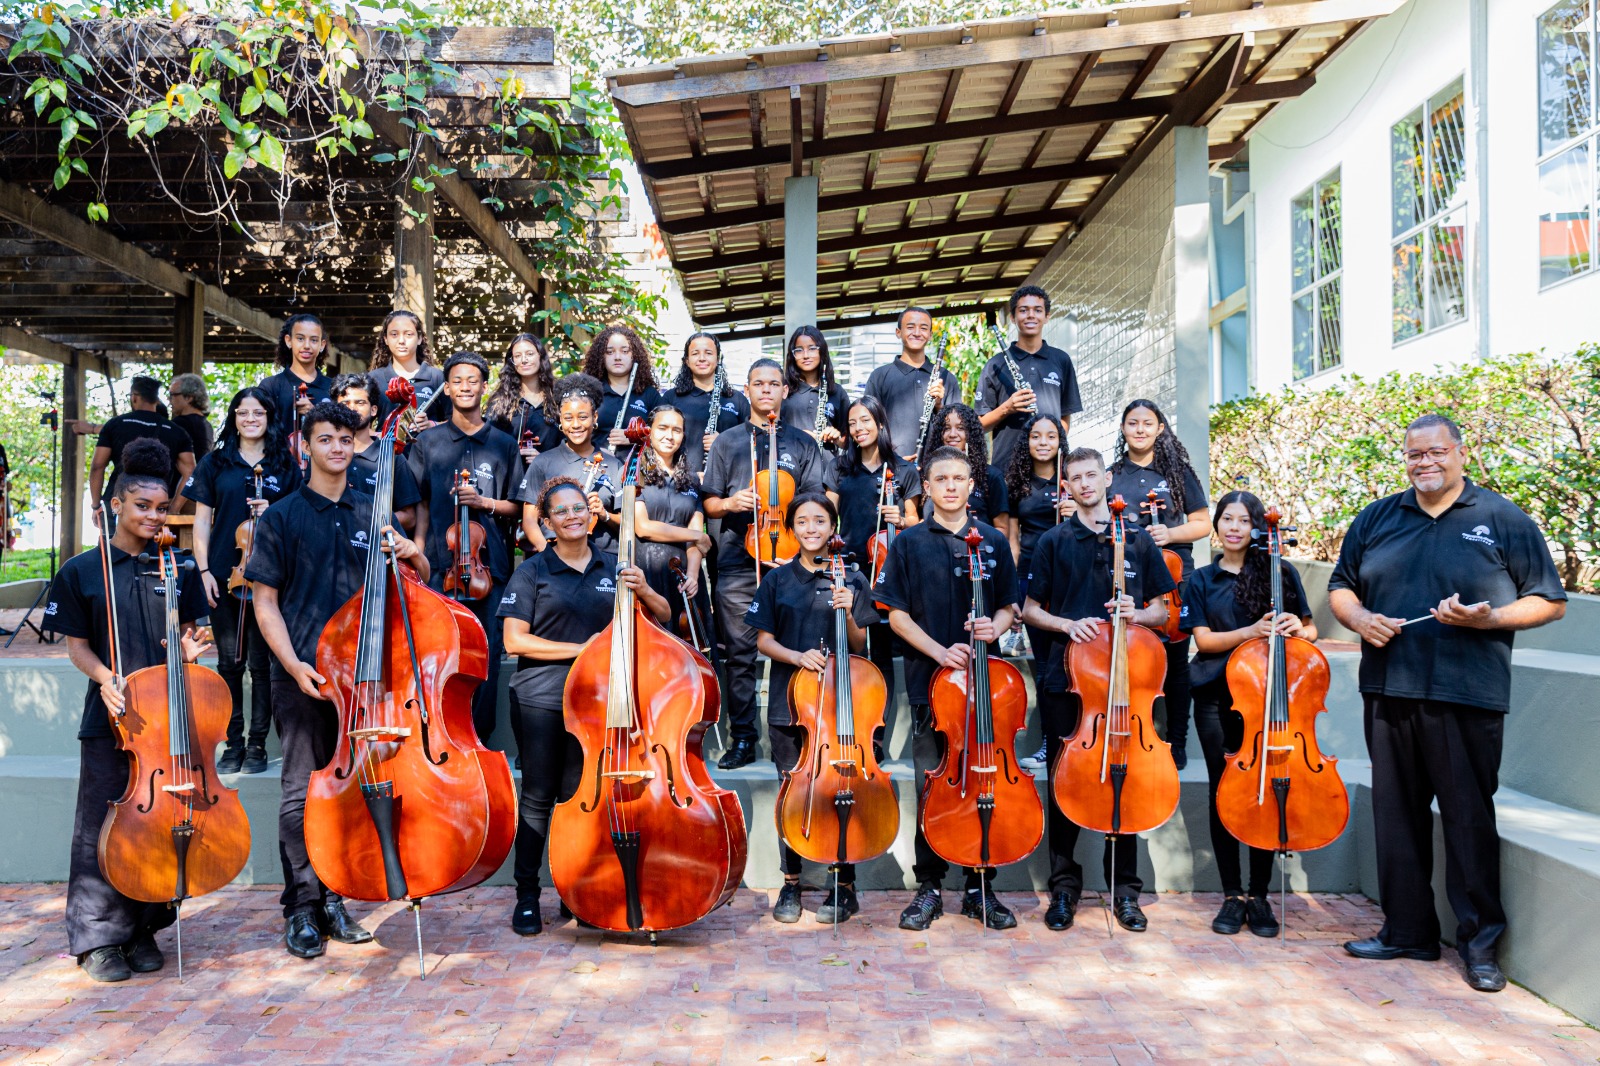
pixel 187 786
pixel 379 732
pixel 843 765
pixel 630 775
pixel 1118 733
pixel 983 769
pixel 1280 747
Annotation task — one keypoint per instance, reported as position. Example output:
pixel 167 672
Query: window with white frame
pixel 1317 232
pixel 1566 140
pixel 1428 154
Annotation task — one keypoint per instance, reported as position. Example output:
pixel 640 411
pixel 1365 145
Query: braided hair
pixel 977 447
pixel 507 395
pixel 1168 456
pixel 1019 469
pixel 652 471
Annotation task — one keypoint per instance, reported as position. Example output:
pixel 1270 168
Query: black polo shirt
pixel 562 461
pixel 858 490
pixel 436 458
pixel 926 576
pixel 362 474
pixel 122 430
pixel 313 550
pixel 1036 512
pixel 696 408
pixel 223 481
pixel 663 502
pixel 283 386
pixel 529 418
pixel 989 501
pixel 1071 578
pixel 729 472
pixel 901 388
pixel 427 382
pixel 640 403
pixel 795 605
pixel 198 430
pixel 1401 563
pixel 800 408
pixel 562 604
pixel 1208 600
pixel 77 608
pixel 1048 372
pixel 1133 483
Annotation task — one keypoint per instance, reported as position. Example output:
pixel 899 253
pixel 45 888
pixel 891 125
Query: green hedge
pixel 1532 424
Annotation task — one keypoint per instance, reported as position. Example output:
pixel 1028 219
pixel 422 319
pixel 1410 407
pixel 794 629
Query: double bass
pixel 768 540
pixel 244 538
pixel 1278 792
pixel 979 808
pixel 468 577
pixel 177 832
pixel 648 842
pixel 411 803
pixel 1174 561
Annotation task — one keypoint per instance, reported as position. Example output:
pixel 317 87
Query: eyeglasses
pixel 798 352
pixel 576 510
pixel 1433 455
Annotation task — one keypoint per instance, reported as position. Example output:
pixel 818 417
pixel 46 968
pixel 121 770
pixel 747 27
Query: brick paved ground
pixel 740 989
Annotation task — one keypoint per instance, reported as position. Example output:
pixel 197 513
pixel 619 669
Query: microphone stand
pixel 50 418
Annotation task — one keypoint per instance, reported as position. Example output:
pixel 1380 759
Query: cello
pixel 244 538
pixel 177 832
pixel 768 540
pixel 840 708
pixel 468 576
pixel 648 842
pixel 411 803
pixel 978 807
pixel 1280 685
pixel 1174 563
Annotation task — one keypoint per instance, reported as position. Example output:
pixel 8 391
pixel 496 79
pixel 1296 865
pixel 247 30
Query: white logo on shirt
pixel 50 609
pixel 508 599
pixel 485 470
pixel 731 407
pixel 1479 535
pixel 361 540
pixel 271 481
pixel 189 483
pixel 1161 486
pixel 752 608
pixel 1052 378
pixel 606 585
pixel 785 459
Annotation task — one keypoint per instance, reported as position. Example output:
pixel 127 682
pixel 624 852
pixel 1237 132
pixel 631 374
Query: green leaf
pixel 63 174
pixel 275 102
pixel 269 152
pixel 98 212
pixel 233 162
pixel 155 123
pixel 250 103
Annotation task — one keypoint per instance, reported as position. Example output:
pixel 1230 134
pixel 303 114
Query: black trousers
pixel 485 701
pixel 308 729
pixel 786 741
pixel 225 624
pixel 1422 750
pixel 882 648
pixel 736 587
pixel 552 764
pixel 1173 717
pixel 98 915
pixel 1058 715
pixel 927 749
pixel 1221 731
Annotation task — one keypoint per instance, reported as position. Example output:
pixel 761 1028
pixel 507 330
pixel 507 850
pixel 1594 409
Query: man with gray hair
pixel 186 395
pixel 1436 579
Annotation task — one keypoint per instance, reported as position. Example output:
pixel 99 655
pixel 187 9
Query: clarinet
pixel 936 366
pixel 822 406
pixel 1017 380
pixel 627 398
pixel 719 384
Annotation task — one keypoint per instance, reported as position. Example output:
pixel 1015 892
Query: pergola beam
pixel 846 323
pixel 13 339
pixel 855 277
pixel 904 298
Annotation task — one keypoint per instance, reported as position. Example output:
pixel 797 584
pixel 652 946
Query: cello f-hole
pixel 427 746
pixel 1305 754
pixel 599 769
pixel 150 801
pixel 1144 745
pixel 199 768
pixel 1003 760
pixel 672 779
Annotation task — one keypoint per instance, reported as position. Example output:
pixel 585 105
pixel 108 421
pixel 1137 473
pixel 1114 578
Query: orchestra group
pixel 368 547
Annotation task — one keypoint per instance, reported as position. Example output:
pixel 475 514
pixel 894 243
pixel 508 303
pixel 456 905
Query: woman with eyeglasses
pixel 524 399
pixel 806 367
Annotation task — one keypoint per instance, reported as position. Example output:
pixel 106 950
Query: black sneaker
pixel 255 760
pixel 142 954
pixel 839 906
pixel 525 920
pixel 787 910
pixel 1230 919
pixel 924 909
pixel 1063 907
pixel 983 905
pixel 231 760
pixel 1258 914
pixel 106 965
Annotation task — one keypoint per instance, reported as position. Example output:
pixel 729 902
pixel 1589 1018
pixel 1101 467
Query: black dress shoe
pixel 1129 916
pixel 230 760
pixel 1063 907
pixel 338 925
pixel 788 910
pixel 1258 915
pixel 255 760
pixel 981 903
pixel 1374 948
pixel 1230 919
pixel 302 937
pixel 564 912
pixel 1485 976
pixel 1180 757
pixel 742 753
pixel 923 910
pixel 142 954
pixel 525 920
pixel 839 906
pixel 106 965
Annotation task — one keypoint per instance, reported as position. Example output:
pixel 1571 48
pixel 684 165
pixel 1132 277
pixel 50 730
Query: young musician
pixel 577 401
pixel 524 398
pixel 142 421
pixel 1049 383
pixel 731 497
pixel 1151 457
pixel 903 385
pixel 301 344
pixel 668 519
pixel 114 936
pixel 1225 604
pixel 1070 593
pixel 929 595
pixel 556 601
pixel 359 393
pixel 310 557
pixel 437 457
pixel 957 426
pixel 793 617
pixel 616 356
pixel 223 488
pixel 806 366
pixel 401 351
pixel 690 393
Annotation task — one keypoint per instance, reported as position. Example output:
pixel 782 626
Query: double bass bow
pixel 768 540
pixel 244 538
pixel 1174 561
pixel 979 808
pixel 411 803
pixel 468 577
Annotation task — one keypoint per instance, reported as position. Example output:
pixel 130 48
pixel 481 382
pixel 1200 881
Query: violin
pixel 1174 561
pixel 878 544
pixel 1114 775
pixel 1280 684
pixel 295 443
pixel 768 540
pixel 838 805
pixel 468 575
pixel 528 446
pixel 177 832
pixel 593 467
pixel 244 538
pixel 411 804
pixel 979 808
pixel 648 842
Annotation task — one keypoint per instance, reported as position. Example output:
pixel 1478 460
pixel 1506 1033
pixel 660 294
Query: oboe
pixel 822 405
pixel 719 383
pixel 1018 382
pixel 936 366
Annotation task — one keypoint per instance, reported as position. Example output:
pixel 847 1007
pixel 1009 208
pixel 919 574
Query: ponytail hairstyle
pixel 283 357
pixel 594 363
pixel 849 460
pixel 276 444
pixel 145 463
pixel 1252 593
pixel 791 368
pixel 1019 470
pixel 977 443
pixel 382 356
pixel 651 469
pixel 502 405
pixel 683 384
pixel 1169 457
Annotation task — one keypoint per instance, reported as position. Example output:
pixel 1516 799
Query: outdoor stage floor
pixel 738 988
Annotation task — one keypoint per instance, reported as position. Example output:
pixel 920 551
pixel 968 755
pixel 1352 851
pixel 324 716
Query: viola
pixel 768 540
pixel 979 808
pixel 878 544
pixel 1174 561
pixel 1279 792
pixel 295 443
pixel 593 467
pixel 838 805
pixel 648 842
pixel 468 576
pixel 1114 775
pixel 177 832
pixel 244 539
pixel 411 804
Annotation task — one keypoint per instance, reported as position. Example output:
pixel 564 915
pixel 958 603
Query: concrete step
pixel 1553 730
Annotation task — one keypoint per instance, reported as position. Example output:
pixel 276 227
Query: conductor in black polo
pixel 1436 579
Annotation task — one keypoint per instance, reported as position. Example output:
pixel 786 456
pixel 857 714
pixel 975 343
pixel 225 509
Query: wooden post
pixel 72 465
pixel 413 255
pixel 189 330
